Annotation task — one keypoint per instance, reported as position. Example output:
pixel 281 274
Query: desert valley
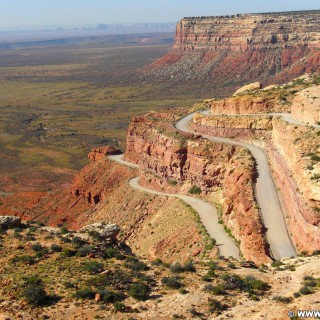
pixel 144 181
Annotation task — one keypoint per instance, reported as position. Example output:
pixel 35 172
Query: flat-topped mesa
pixel 243 48
pixel 249 31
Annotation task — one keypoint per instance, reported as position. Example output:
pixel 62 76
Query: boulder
pixel 249 87
pixel 106 231
pixel 10 221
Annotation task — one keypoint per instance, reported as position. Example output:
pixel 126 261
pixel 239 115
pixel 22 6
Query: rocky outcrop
pixel 294 143
pixel 236 122
pixel 245 47
pixel 306 106
pixel 173 162
pixel 249 87
pixel 247 104
pixel 104 231
pixel 10 221
pixel 99 153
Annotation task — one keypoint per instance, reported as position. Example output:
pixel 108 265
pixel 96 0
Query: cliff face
pixel 171 162
pixel 293 148
pixel 244 47
pixel 306 105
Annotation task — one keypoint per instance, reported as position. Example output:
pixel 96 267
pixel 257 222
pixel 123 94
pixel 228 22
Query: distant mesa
pixel 268 47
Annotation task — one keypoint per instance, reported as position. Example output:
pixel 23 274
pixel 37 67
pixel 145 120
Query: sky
pixel 34 13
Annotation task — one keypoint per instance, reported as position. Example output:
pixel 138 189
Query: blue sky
pixel 15 13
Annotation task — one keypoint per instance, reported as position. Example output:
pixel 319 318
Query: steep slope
pixel 242 48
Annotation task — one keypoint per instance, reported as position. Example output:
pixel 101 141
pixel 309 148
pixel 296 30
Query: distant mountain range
pixel 23 34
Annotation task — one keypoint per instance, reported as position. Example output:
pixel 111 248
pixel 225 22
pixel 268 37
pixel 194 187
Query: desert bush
pixel 85 251
pixel 119 306
pixel 179 268
pixel 135 265
pixel 139 291
pixel 109 296
pixel 249 284
pixel 110 253
pixel 93 267
pixel 55 248
pixel 25 259
pixel 194 190
pixel 77 242
pixel 282 299
pixel 217 306
pixel 66 252
pixel 216 290
pixel 33 291
pixel 172 282
pixel 85 293
pixel 305 290
pixel 64 230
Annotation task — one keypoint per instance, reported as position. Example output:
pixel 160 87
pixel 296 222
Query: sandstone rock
pixel 106 231
pixel 236 122
pixel 99 153
pixel 306 105
pixel 249 87
pixel 10 221
pixel 246 47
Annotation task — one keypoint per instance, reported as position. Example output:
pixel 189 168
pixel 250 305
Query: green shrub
pixel 109 296
pixel 77 242
pixel 117 279
pixel 139 291
pixel 216 306
pixel 179 268
pixel 216 290
pixel 206 278
pixel 195 190
pixel 189 267
pixel 248 284
pixel 110 253
pixel 119 306
pixel 157 262
pixel 176 268
pixel 64 230
pixel 34 295
pixel 33 291
pixel 85 251
pixel 55 248
pixel 84 294
pixel 172 182
pixel 305 290
pixel 23 259
pixel 66 252
pixel 172 282
pixel 93 267
pixel 282 299
pixel 135 265
pixel 68 285
pixel 37 247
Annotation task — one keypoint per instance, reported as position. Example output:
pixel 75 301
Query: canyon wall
pixel 173 162
pixel 296 169
pixel 242 48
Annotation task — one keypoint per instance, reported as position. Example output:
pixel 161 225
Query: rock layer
pixel 172 162
pixel 242 48
pixel 306 105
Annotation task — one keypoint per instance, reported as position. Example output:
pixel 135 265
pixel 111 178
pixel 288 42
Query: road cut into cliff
pixel 271 211
pixel 207 213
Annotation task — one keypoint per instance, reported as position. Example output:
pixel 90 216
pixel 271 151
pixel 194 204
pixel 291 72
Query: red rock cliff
pixel 244 47
pixel 172 162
